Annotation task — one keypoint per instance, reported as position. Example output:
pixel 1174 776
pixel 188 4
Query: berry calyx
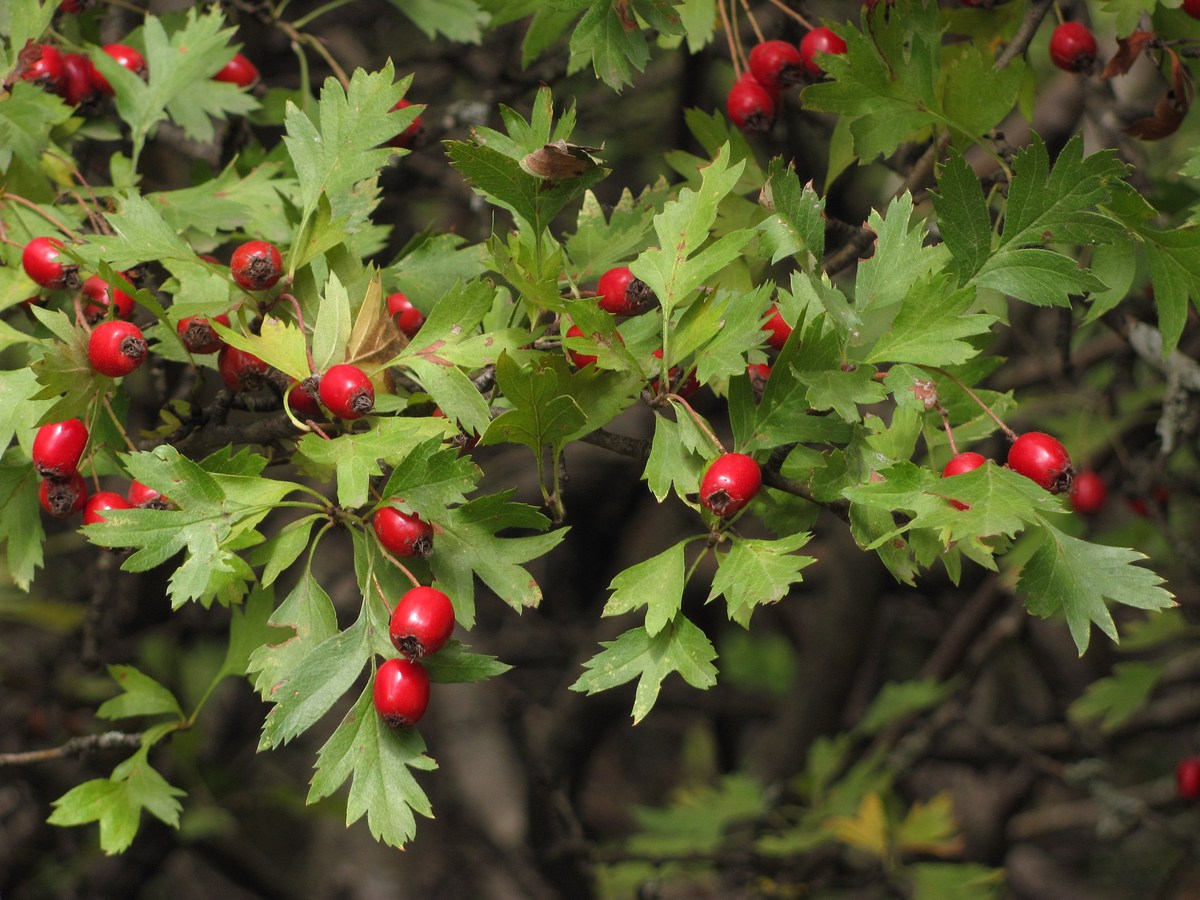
pixel 41 263
pixel 57 448
pixel 347 392
pixel 401 691
pixel 1039 456
pixel 406 316
pixel 100 503
pixel 61 497
pixel 46 70
pixel 198 335
pixel 241 371
pixel 1088 493
pixel 116 348
pixel 730 483
pixel 621 293
pixel 97 290
pixel 239 71
pixel 409 135
pixel 967 461
pixel 778 330
pixel 422 622
pixel 1072 47
pixel 126 57
pixel 819 40
pixel 141 496
pixel 750 105
pixel 300 398
pixel 776 64
pixel 1187 778
pixel 401 533
pixel 256 265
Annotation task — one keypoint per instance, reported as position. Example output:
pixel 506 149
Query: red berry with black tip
pixel 241 371
pixel 198 335
pixel 1187 778
pixel 256 265
pixel 750 105
pixel 621 293
pixel 78 85
pixel 776 64
pixel 300 398
pixel 1072 47
pixel 778 330
pixel 401 691
pixel 1088 493
pixel 102 296
pixel 62 496
pixel 239 71
pixel 141 496
pixel 41 262
pixel 46 69
pixel 57 448
pixel 406 316
pixel 126 57
pixel 819 40
pixel 347 392
pixel 730 483
pixel 100 503
pixel 409 135
pixel 1039 456
pixel 404 534
pixel 116 348
pixel 967 461
pixel 422 622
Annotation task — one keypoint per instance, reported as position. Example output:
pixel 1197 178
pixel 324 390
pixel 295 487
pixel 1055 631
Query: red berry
pixel 126 57
pixel 1187 778
pixel 143 497
pixel 100 503
pixel 422 622
pixel 689 386
pixel 819 40
pixel 1072 47
pixel 41 263
pixel 198 335
pixel 776 64
pixel 116 348
pixel 779 330
pixel 1192 8
pixel 78 85
pixel 61 497
pixel 239 71
pixel 1042 458
pixel 750 106
pixel 1088 493
pixel 347 391
pixel 960 464
pixel 401 691
pixel 302 401
pixel 730 483
pixel 75 6
pixel 579 359
pixel 102 296
pixel 406 138
pixel 256 265
pixel 403 534
pixel 406 316
pixel 46 70
pixel 240 370
pixel 759 374
pixel 621 293
pixel 57 448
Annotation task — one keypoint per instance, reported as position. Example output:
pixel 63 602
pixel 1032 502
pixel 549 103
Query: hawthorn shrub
pixel 805 349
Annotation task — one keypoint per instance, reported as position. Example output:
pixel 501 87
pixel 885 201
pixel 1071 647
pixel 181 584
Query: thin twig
pixel 77 746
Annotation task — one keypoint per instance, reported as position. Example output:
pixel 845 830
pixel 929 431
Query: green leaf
pixel 900 259
pixel 1040 277
pixel 22 21
pixel 699 819
pixel 976 96
pixel 680 647
pixel 963 881
pixel 898 700
pixel 541 414
pixel 325 673
pixel 279 343
pixel 21 523
pixel 332 330
pixel 431 478
pixel 27 117
pixel 431 264
pixel 305 619
pixel 232 200
pixel 841 391
pixel 962 216
pixel 455 664
pixel 1173 256
pixel 670 465
pixel 797 226
pixel 1076 577
pixel 609 37
pixel 599 243
pixel 458 20
pixel 932 325
pixel 249 629
pixel 379 761
pixel 141 696
pixel 656 583
pixel 757 572
pixel 1115 698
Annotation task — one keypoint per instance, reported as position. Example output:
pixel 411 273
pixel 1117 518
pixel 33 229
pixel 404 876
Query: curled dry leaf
pixel 1128 51
pixel 559 160
pixel 1170 109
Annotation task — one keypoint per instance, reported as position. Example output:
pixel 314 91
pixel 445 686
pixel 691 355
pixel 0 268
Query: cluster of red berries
pixel 754 100
pixel 1034 454
pixel 421 624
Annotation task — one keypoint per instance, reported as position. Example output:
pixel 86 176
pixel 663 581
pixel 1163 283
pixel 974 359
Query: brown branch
pixel 1025 32
pixel 77 746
